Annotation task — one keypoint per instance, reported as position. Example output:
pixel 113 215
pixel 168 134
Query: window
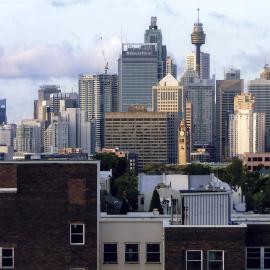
pixel 253 258
pixel 110 253
pixel 132 253
pixel 77 236
pixel 153 253
pixel 215 260
pixel 6 258
pixel 266 258
pixel 193 260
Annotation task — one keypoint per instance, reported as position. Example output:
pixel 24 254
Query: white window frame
pixel 152 243
pixel 114 243
pixel 212 250
pixel 70 234
pixel 192 250
pixel 133 243
pixel 1 257
pixel 261 258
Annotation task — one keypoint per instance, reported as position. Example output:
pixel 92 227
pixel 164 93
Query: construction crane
pixel 106 63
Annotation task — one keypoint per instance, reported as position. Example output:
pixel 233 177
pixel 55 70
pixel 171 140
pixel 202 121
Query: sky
pixel 52 41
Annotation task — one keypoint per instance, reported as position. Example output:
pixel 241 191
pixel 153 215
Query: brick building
pixel 48 215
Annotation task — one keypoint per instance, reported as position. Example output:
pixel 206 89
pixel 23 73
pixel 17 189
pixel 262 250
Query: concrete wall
pixel 131 230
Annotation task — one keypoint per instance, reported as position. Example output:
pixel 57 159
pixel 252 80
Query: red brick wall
pixel 231 240
pixel 36 219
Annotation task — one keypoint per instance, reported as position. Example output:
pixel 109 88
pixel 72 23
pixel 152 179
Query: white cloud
pixel 42 61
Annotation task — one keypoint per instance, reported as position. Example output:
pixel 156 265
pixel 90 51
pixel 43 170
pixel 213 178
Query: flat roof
pixel 49 161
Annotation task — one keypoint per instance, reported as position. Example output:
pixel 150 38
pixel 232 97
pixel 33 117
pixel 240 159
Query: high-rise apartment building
pixel 154 35
pixel 71 101
pixel 204 64
pixel 98 95
pixel 171 67
pixel 57 135
pixel 260 89
pixel 7 134
pixel 3 111
pixel 29 136
pixel 246 128
pixel 137 70
pixel 145 133
pixel 226 90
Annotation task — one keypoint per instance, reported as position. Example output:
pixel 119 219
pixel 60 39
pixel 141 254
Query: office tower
pixel 42 105
pixel 201 95
pixel 183 144
pixel 198 39
pixel 137 69
pixel 204 64
pixel 29 136
pixel 232 74
pixel 260 89
pixel 7 134
pixel 98 95
pixel 246 128
pixel 57 135
pixel 226 90
pixel 71 101
pixel 154 35
pixel 167 95
pixel 171 67
pixel 3 111
pixel 188 122
pixel 143 133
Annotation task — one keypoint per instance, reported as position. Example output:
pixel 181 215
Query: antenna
pixel 198 15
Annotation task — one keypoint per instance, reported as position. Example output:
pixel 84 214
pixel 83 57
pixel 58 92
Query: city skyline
pixel 43 31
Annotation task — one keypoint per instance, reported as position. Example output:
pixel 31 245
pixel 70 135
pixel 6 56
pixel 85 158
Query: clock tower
pixel 183 144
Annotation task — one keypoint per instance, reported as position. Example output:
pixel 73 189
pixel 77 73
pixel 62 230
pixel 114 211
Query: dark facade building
pixel 48 215
pixel 3 111
pixel 205 247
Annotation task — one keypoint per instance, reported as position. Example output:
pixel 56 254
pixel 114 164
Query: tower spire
pixel 198 39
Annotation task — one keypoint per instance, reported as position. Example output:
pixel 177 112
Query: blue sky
pixel 52 41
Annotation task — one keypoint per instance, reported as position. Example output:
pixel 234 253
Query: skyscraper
pixel 42 105
pixel 171 67
pixel 3 111
pixel 71 101
pixel 204 64
pixel 260 89
pixel 143 133
pixel 226 90
pixel 198 39
pixel 232 74
pixel 137 69
pixel 168 97
pixel 201 94
pixel 246 128
pixel 154 35
pixel 98 95
pixel 29 136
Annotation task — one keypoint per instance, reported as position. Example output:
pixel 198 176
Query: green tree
pixel 155 202
pixel 127 187
pixel 197 169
